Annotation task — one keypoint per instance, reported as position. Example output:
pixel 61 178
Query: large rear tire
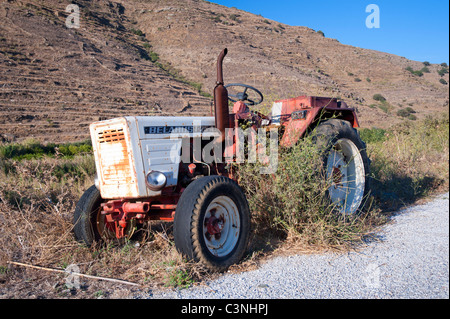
pixel 212 222
pixel 346 164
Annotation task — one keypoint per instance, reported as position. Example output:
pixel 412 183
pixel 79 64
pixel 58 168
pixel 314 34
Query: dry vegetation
pixel 155 58
pixel 36 212
pixel 409 161
pixel 141 57
pixel 38 195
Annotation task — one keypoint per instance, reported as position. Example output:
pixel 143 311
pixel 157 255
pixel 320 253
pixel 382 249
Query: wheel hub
pixel 337 176
pixel 221 226
pixel 214 225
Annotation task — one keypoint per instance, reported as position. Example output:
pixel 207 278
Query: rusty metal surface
pixel 316 107
pixel 221 99
pixel 114 160
pixel 120 214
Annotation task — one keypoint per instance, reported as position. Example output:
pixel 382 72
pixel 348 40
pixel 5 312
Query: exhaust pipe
pixel 221 113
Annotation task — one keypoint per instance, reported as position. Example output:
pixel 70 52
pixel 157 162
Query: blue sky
pixel 417 30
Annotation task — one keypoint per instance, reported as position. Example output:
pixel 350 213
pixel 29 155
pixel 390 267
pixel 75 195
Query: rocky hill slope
pixel 54 81
pixel 141 57
pixel 286 61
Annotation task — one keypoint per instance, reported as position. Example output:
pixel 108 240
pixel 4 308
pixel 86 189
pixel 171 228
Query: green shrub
pixel 417 72
pixel 32 149
pixel 443 71
pixel 442 81
pixel 153 56
pixel 403 113
pixel 74 149
pixel 29 149
pixel 406 112
pixel 235 17
pixel 321 33
pixel 425 70
pixel 426 63
pixel 179 278
pixel 373 135
pixel 410 109
pixel 137 32
pixel 379 97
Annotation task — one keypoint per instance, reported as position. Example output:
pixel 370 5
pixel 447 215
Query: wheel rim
pixel 221 226
pixel 107 230
pixel 345 171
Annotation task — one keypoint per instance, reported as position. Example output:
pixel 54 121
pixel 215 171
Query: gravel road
pixel 411 260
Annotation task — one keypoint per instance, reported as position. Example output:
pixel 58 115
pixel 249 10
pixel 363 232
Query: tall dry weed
pixel 294 201
pixel 409 161
pixel 38 196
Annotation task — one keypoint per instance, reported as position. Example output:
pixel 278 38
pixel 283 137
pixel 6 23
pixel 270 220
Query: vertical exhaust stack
pixel 221 113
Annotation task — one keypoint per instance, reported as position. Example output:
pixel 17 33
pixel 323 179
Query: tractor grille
pixel 110 136
pixel 114 164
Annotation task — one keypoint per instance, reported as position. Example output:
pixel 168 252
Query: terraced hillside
pixel 54 81
pixel 141 57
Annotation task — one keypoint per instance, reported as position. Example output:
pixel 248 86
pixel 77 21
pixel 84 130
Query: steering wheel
pixel 244 96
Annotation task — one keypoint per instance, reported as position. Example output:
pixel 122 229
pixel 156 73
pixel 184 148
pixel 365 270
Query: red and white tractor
pixel 154 168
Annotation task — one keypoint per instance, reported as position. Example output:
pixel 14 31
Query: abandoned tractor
pixel 153 168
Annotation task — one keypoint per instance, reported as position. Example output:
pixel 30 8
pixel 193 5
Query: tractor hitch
pixel 121 214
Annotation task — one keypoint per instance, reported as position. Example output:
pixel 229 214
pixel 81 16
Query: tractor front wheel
pixel 90 225
pixel 212 222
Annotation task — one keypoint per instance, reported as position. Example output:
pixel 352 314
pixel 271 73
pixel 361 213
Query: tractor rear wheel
pixel 345 163
pixel 212 222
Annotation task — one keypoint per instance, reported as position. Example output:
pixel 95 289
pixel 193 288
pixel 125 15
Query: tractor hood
pixel 172 127
pixel 128 148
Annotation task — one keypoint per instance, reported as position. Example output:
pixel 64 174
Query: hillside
pixel 54 81
pixel 285 61
pixel 141 57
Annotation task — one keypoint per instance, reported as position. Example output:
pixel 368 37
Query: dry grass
pixel 36 211
pixel 291 205
pixel 410 161
pixel 37 198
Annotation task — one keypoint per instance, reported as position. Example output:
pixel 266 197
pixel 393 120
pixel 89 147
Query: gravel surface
pixel 411 260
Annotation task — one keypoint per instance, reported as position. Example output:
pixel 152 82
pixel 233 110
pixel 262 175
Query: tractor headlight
pixel 155 180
